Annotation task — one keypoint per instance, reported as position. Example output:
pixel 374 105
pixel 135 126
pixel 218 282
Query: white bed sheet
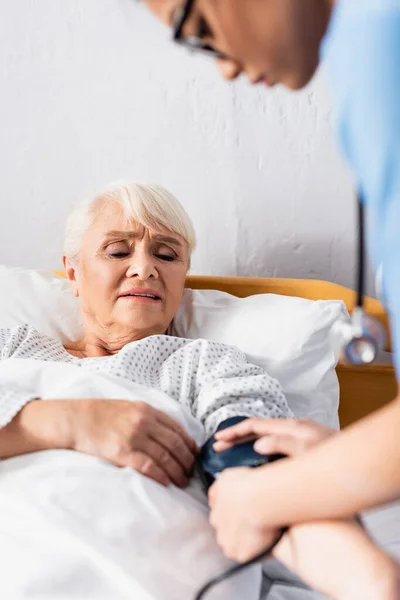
pixel 384 526
pixel 21 496
pixel 74 527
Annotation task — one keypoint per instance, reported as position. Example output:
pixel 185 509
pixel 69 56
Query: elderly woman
pixel 127 253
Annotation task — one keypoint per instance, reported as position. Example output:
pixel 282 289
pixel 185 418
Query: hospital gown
pixel 213 381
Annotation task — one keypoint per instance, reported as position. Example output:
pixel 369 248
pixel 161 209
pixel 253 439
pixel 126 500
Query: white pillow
pixel 40 299
pixel 286 336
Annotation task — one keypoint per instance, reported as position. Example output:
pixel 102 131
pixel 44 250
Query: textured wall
pixel 92 91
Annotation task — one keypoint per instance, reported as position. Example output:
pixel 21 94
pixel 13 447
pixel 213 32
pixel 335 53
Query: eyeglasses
pixel 193 43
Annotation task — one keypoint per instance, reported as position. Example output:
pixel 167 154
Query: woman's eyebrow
pixel 167 239
pixel 121 234
pixel 159 237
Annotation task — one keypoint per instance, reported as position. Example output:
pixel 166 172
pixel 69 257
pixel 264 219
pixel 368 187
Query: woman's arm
pixel 26 423
pixel 13 397
pixel 228 386
pixel 127 434
pixel 39 425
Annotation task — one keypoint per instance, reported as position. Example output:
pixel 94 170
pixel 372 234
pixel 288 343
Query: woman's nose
pixel 142 266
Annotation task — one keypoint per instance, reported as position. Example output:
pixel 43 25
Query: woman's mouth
pixel 141 295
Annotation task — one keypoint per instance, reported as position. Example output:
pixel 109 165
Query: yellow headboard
pixel 362 389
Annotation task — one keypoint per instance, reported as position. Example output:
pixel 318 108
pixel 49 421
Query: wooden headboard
pixel 362 389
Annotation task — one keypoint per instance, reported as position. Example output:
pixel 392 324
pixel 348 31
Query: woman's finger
pixel 157 446
pixel 144 464
pixel 174 444
pixel 170 423
pixel 165 461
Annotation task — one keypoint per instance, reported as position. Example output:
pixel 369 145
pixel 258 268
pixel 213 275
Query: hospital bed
pixel 362 390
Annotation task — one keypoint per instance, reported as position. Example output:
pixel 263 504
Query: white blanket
pixel 76 527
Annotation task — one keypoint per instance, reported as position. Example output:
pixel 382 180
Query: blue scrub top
pixel 361 52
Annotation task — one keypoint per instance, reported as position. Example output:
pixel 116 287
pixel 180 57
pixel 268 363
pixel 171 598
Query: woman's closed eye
pixel 164 252
pixel 166 256
pixel 117 250
pixel 121 250
pixel 119 254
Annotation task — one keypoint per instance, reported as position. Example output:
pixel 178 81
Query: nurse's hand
pixel 284 436
pixel 233 500
pixel 235 497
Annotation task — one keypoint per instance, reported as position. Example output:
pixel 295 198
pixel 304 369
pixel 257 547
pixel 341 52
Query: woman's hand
pixel 284 436
pixel 133 434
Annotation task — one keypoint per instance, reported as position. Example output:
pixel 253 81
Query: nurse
pixel 282 42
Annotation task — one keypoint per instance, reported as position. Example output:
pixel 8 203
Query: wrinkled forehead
pixel 109 222
pixel 110 216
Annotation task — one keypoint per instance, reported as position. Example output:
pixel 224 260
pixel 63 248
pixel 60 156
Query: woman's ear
pixel 70 272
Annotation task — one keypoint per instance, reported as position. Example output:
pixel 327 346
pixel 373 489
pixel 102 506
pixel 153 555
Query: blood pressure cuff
pixel 211 463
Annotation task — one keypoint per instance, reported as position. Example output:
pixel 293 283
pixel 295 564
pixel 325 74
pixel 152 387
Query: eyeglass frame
pixel 192 43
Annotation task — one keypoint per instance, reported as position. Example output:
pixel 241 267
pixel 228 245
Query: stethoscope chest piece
pixel 358 340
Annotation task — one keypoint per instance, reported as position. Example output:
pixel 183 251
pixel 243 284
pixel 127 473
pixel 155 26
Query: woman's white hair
pixel 150 205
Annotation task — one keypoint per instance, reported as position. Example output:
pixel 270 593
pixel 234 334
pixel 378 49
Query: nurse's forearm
pixel 350 472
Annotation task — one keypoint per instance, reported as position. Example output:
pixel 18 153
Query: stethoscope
pixel 358 342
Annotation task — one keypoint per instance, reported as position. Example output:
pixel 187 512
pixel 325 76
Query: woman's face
pixel 271 41
pixel 129 280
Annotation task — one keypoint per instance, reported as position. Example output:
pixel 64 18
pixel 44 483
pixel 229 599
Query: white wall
pixel 93 90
